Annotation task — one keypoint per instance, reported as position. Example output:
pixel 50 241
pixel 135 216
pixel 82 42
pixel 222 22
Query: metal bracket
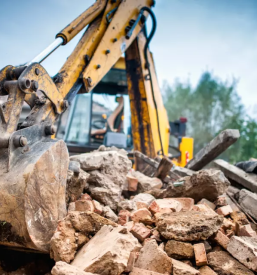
pixel 35 72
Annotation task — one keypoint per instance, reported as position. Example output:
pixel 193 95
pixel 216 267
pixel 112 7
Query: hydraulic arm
pixel 33 166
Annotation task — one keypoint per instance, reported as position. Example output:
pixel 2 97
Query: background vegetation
pixel 211 107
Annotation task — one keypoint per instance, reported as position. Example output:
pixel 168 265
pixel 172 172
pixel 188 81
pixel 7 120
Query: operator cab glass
pixel 99 117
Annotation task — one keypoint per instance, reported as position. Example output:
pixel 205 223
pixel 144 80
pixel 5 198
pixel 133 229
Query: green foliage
pixel 211 107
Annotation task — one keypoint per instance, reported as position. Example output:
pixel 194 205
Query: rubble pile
pixel 121 221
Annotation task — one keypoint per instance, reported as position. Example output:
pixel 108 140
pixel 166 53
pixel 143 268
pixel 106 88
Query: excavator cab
pixel 100 117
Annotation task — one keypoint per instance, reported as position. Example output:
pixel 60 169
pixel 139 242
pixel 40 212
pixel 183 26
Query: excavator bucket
pixel 32 189
pixel 33 167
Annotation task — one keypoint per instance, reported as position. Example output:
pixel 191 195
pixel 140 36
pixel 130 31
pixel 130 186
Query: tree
pixel 211 107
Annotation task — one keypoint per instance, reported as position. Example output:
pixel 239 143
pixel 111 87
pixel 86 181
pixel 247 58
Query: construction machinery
pixel 33 166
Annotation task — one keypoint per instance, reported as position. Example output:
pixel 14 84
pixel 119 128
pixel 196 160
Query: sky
pixel 192 36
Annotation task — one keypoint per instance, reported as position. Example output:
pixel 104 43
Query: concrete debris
pixel 208 184
pixel 189 225
pixel 153 258
pixel 248 201
pixel 244 249
pixel 206 270
pixel 180 268
pixel 65 242
pixel 109 214
pixel 107 252
pixel 122 221
pixel 76 183
pixel 179 250
pixel 222 263
pixel 146 183
pixel 62 268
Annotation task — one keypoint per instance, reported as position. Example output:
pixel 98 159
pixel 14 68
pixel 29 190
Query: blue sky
pixel 192 36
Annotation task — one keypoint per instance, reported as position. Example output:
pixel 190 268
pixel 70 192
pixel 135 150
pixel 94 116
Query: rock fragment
pixel 153 258
pixel 107 252
pixel 109 214
pixel 222 263
pixel 180 268
pixel 179 250
pixel 188 226
pixel 244 249
pixel 248 201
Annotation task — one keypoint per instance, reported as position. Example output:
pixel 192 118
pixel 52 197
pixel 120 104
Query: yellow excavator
pixel 33 166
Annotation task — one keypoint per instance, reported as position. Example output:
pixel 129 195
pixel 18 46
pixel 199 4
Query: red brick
pixel 224 210
pixel 200 254
pixel 221 239
pixel 123 217
pixel 140 231
pixel 132 183
pixel 142 215
pixel 157 205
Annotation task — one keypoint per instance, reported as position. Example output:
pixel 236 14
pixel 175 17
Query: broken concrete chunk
pixel 84 205
pixel 129 205
pixel 109 214
pixel 208 184
pixel 224 210
pixel 207 203
pixel 180 268
pixel 244 249
pixel 200 254
pixel 76 183
pixel 206 270
pixel 248 201
pixel 221 201
pixel 153 258
pixel 158 205
pixel 187 203
pixel 132 183
pixel 188 226
pixel 146 183
pixel 146 198
pixel 98 160
pixel 62 268
pixel 88 222
pixel 179 250
pixel 222 263
pixel 63 244
pixel 139 271
pixel 107 252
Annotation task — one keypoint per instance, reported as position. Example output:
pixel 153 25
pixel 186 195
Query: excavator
pixel 33 165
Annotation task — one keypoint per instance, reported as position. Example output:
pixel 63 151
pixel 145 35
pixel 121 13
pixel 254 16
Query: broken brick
pixel 123 217
pixel 157 205
pixel 142 215
pixel 221 239
pixel 140 231
pixel 200 254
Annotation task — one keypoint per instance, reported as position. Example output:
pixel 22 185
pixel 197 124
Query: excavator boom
pixel 33 167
